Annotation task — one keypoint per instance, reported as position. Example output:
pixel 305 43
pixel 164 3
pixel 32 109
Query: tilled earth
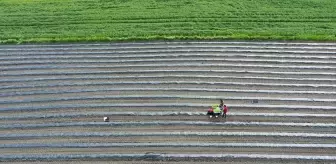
pixel 281 99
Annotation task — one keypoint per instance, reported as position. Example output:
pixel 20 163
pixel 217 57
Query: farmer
pixel 210 111
pixel 225 110
pixel 217 110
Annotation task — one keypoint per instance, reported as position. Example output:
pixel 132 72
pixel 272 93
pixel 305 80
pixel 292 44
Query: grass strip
pixel 36 21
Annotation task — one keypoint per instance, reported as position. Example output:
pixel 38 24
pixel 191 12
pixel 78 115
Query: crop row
pixel 165 157
pixel 166 134
pixel 169 123
pixel 166 105
pixel 140 113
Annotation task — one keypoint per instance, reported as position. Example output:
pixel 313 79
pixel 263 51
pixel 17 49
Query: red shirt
pixel 226 109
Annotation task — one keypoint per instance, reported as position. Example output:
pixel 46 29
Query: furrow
pixel 151 127
pixel 167 113
pixel 54 67
pixel 186 139
pixel 172 144
pixel 174 55
pixel 156 60
pixel 65 84
pixel 172 77
pixel 169 123
pixel 166 105
pixel 89 91
pixel 168 72
pixel 154 97
pixel 169 157
pixel 192 118
pixel 186 133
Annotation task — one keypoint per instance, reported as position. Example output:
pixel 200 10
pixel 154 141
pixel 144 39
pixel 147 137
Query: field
pixel 23 21
pixel 281 95
pixel 281 98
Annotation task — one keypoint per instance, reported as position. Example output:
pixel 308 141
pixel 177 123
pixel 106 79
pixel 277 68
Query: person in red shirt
pixel 225 110
pixel 223 107
pixel 210 111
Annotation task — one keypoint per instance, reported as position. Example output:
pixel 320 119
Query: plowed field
pixel 281 98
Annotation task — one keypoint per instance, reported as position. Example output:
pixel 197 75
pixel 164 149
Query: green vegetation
pixel 24 21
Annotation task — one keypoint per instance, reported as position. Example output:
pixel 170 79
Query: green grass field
pixel 25 21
